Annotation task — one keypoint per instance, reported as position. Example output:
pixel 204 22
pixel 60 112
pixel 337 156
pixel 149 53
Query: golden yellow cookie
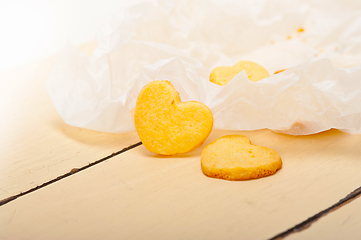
pixel 233 157
pixel 222 75
pixel 167 126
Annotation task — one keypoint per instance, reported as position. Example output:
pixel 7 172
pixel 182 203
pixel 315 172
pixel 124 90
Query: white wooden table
pixel 136 194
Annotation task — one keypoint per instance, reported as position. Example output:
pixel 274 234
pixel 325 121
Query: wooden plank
pixel 345 223
pixel 139 195
pixel 36 145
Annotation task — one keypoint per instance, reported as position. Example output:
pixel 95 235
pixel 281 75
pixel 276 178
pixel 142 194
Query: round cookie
pixel 167 126
pixel 233 157
pixel 222 75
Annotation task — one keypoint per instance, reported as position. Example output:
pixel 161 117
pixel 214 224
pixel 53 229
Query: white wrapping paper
pixel 318 42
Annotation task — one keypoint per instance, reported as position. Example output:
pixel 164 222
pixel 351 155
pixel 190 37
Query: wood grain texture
pixel 36 145
pixel 140 195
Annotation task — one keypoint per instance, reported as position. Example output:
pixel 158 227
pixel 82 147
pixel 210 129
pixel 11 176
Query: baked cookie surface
pixel 233 157
pixel 167 126
pixel 222 75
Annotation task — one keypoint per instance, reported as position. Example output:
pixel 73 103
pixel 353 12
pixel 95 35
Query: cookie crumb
pixel 280 71
pixel 74 170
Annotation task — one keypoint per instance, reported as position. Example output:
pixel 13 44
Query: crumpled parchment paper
pixel 318 42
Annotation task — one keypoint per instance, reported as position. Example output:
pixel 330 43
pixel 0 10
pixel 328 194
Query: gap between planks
pixel 73 171
pixel 307 223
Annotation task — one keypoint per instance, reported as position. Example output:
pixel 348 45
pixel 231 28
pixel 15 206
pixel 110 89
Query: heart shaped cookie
pixel 233 157
pixel 222 75
pixel 167 126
